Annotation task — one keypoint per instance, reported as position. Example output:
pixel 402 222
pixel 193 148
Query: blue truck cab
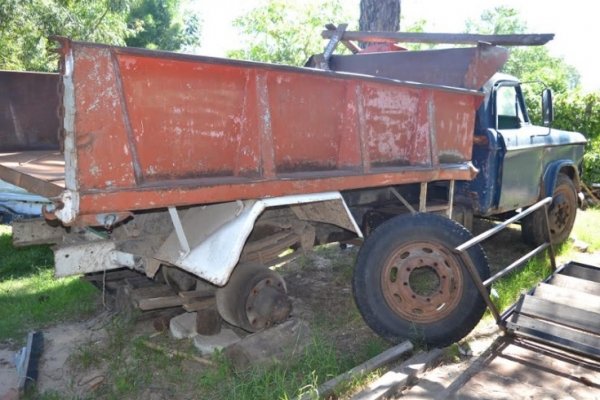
pixel 520 163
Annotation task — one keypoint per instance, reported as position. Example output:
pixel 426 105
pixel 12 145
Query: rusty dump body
pixel 144 129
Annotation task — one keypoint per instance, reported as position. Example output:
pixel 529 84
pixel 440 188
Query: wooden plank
pixel 159 302
pixel 560 313
pixel 390 383
pixel 449 38
pixel 208 321
pixel 582 271
pixel 584 301
pixel 111 275
pixel 191 306
pixel 194 294
pixel 139 281
pixel 151 291
pixel 547 332
pixel 378 361
pixel 578 284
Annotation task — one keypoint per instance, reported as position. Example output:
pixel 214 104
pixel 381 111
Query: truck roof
pixel 501 77
pixel 498 77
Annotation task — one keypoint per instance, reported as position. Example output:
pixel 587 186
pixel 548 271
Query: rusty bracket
pixel 349 45
pixel 323 61
pixel 403 200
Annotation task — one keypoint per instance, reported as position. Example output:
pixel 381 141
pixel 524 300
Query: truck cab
pixel 520 163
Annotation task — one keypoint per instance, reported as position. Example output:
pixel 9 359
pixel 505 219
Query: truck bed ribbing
pixel 187 130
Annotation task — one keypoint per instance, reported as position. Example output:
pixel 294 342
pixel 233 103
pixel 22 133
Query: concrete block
pixel 273 345
pixel 183 326
pixel 208 344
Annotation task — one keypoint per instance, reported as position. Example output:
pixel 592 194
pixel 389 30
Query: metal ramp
pixel 562 311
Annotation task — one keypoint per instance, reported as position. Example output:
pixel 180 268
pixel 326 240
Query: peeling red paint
pixel 155 129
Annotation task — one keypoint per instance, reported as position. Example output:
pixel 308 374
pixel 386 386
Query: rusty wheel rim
pixel 422 282
pixel 559 214
pixel 267 303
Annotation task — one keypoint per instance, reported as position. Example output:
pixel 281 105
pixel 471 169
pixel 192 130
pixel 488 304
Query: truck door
pixel 523 161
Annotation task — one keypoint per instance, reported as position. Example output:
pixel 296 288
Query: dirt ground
pixel 54 372
pixel 319 282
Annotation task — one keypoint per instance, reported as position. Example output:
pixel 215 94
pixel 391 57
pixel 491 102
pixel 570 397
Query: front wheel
pixel 408 284
pixel 561 215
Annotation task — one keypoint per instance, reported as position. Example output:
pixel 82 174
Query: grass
pixel 586 228
pixel 508 289
pixel 137 371
pixel 319 363
pixel 30 297
pixel 132 370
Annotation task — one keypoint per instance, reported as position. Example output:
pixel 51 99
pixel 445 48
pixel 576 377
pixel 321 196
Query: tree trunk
pixel 379 15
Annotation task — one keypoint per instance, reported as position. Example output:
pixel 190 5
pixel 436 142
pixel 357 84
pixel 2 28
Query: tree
pixel 26 25
pixel 534 66
pixel 285 32
pixel 529 64
pixel 379 15
pixel 159 25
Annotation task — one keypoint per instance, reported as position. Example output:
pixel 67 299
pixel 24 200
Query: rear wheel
pixel 408 284
pixel 255 298
pixel 561 215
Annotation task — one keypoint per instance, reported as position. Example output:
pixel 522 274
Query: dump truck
pixel 206 172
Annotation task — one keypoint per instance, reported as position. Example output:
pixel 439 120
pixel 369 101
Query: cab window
pixel 509 111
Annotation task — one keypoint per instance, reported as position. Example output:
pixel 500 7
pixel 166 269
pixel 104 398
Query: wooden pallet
pixel 563 311
pixel 146 294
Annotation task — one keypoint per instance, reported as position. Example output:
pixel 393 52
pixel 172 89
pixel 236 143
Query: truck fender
pixel 551 175
pixel 208 240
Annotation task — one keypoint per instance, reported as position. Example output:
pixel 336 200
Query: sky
pixel 575 24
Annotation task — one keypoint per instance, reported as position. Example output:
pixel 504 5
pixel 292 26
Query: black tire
pixel 561 215
pixel 433 238
pixel 233 300
pixel 178 279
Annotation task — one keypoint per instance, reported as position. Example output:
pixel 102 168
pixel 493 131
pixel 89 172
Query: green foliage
pixel 25 26
pixel 577 111
pixel 285 32
pixel 530 64
pixel 159 25
pixel 573 110
pixel 499 20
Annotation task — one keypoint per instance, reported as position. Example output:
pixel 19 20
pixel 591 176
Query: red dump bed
pixel 145 129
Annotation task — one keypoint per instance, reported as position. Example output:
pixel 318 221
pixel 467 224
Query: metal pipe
pixel 479 285
pixel 450 198
pixel 403 200
pixel 516 264
pixel 485 235
pixel 423 197
pixel 552 253
pixel 179 231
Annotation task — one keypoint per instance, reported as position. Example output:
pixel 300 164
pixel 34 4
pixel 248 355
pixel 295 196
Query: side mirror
pixel 547 110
